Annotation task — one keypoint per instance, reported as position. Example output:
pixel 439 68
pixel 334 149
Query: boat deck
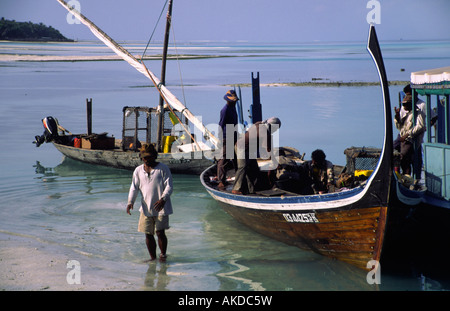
pixel 210 178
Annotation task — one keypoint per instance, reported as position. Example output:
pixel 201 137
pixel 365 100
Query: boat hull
pixel 352 232
pixel 192 163
pixel 352 235
pixel 414 198
pixel 409 197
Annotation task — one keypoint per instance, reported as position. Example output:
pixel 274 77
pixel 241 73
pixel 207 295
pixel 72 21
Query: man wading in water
pixel 154 181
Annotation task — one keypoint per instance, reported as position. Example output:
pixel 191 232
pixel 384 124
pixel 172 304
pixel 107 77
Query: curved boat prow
pixel 385 164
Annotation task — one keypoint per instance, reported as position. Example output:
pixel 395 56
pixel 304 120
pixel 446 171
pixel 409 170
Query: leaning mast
pixel 125 55
pixel 160 130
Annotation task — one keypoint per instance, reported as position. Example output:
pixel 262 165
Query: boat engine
pixel 50 131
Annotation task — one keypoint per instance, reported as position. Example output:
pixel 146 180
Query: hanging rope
pixel 154 29
pixel 179 66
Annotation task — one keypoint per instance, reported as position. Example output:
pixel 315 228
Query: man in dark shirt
pixel 228 116
pixel 254 144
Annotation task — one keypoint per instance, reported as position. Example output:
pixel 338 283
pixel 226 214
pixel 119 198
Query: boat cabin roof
pixel 436 81
pixel 434 84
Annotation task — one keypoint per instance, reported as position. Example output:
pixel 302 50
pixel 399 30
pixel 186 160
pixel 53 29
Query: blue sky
pixel 244 20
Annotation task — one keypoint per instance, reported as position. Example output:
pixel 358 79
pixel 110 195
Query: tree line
pixel 28 31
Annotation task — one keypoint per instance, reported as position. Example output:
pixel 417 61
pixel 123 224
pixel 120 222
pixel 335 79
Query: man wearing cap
pixel 255 143
pixel 410 132
pixel 420 105
pixel 228 119
pixel 154 181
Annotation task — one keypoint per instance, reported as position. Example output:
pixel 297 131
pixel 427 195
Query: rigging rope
pixel 176 48
pixel 154 29
pixel 179 67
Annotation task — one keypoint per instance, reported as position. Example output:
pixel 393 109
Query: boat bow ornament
pixel 125 55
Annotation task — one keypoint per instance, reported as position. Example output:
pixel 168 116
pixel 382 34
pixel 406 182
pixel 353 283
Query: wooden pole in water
pixel 256 110
pixel 89 115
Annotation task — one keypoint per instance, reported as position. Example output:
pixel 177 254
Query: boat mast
pixel 170 99
pixel 160 132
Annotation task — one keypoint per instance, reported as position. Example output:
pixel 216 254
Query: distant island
pixel 28 31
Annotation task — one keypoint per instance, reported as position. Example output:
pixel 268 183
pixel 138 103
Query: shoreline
pixel 323 84
pixel 56 58
pixel 28 263
pixel 305 84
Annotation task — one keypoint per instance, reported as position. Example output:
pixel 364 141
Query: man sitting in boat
pixel 288 175
pixel 251 146
pixel 320 174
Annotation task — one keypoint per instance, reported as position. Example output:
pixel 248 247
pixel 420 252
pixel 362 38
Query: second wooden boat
pixel 140 124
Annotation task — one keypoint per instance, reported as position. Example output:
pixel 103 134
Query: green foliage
pixel 28 31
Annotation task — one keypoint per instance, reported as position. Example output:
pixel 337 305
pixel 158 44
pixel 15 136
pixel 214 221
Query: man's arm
pixel 133 193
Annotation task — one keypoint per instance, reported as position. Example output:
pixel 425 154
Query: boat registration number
pixel 301 217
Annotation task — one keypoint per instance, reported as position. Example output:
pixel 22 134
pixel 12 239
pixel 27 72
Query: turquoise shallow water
pixel 60 210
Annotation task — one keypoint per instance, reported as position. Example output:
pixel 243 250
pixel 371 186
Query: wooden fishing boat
pixel 348 225
pixel 142 124
pixel 192 163
pixel 138 122
pixel 433 182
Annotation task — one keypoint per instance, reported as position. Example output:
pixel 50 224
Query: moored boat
pixel 192 163
pixel 140 124
pixel 347 225
pixel 431 183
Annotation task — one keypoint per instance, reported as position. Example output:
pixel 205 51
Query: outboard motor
pixel 50 131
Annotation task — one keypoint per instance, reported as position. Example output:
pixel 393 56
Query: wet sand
pixel 28 264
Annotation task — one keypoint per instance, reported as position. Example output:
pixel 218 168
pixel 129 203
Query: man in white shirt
pixel 154 181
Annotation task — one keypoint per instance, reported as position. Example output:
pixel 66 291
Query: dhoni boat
pixel 433 187
pixel 183 154
pixel 347 225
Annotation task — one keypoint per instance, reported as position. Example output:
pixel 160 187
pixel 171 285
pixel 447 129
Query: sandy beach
pixel 28 264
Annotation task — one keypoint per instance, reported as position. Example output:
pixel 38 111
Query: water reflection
pixel 256 286
pixel 250 261
pixel 73 175
pixel 156 277
pixel 209 250
pixel 417 245
pixel 71 168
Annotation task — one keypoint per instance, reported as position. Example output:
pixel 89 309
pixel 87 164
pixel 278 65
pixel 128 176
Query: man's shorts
pixel 148 225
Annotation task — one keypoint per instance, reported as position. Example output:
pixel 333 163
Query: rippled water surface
pixel 55 209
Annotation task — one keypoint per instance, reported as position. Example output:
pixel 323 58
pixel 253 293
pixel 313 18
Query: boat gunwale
pixel 335 200
pixel 121 151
